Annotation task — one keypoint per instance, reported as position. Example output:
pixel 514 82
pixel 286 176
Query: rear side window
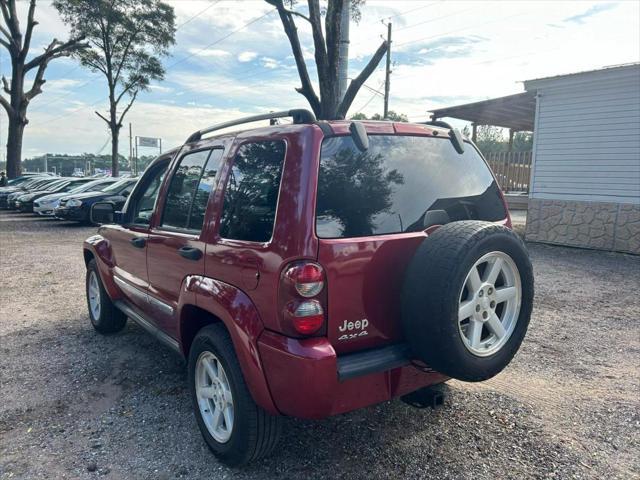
pixel 189 190
pixel 401 184
pixel 251 195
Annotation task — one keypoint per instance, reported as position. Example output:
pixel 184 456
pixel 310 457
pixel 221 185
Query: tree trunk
pixel 115 130
pixel 115 167
pixel 14 146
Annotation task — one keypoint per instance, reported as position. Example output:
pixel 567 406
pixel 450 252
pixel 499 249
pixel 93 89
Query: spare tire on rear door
pixel 467 299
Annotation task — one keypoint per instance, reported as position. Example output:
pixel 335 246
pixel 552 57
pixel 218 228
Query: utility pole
pixel 130 148
pixel 343 51
pixel 387 81
pixel 46 162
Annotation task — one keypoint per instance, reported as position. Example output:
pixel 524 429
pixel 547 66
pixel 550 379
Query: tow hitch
pixel 427 397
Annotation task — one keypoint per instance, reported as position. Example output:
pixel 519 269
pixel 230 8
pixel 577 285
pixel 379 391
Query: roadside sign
pixel 148 142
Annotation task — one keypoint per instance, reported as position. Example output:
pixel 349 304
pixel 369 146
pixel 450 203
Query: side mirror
pixel 102 212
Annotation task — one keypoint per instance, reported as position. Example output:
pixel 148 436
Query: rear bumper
pixel 308 380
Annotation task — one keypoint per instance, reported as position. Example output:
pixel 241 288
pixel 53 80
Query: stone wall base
pixel 603 226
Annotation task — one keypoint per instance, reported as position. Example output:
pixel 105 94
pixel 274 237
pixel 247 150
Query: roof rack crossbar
pixel 299 116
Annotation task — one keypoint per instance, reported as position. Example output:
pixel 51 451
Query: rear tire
pixel 104 315
pixel 246 432
pixel 461 316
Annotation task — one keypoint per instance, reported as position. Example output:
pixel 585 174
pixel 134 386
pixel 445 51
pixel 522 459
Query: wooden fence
pixel 512 169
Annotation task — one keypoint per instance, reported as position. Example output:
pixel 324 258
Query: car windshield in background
pixel 401 184
pixel 116 187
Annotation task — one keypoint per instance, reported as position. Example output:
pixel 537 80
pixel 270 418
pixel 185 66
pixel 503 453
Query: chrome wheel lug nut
pixel 477 308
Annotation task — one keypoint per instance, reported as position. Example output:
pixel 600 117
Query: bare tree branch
pixel 298 14
pixel 5 33
pixel 124 112
pixel 102 116
pixel 7 106
pixel 292 33
pixel 5 85
pixel 318 40
pixel 55 49
pixel 357 82
pixel 31 23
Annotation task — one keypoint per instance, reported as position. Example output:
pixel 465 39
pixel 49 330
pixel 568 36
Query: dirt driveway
pixel 567 407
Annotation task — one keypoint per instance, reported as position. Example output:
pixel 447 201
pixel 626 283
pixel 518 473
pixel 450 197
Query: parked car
pixel 312 269
pixel 45 205
pixel 19 184
pixel 76 207
pixel 25 202
pixel 8 200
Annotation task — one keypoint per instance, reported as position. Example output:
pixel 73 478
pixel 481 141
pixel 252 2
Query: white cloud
pixel 211 52
pixel 268 62
pixel 247 56
pixel 476 52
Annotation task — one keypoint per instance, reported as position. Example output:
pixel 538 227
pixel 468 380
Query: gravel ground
pixel 72 401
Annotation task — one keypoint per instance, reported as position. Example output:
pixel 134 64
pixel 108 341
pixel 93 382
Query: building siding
pixel 587 137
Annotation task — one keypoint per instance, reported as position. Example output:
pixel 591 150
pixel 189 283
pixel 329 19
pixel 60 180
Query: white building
pixel 584 188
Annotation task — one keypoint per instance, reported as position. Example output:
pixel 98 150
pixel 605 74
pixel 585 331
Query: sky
pixel 232 59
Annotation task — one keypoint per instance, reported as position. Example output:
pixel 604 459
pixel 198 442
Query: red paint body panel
pixel 302 376
pixel 242 320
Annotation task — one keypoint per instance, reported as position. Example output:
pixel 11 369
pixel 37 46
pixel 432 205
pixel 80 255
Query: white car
pixel 45 205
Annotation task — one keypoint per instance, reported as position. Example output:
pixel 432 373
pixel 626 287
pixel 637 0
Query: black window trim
pixel 231 162
pixel 405 234
pixel 167 162
pixel 188 231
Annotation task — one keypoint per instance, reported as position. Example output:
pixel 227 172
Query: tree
pixel 393 116
pixel 18 45
pixel 127 39
pixel 490 139
pixel 326 45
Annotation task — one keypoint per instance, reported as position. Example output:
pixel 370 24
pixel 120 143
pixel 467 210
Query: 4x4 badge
pixel 358 328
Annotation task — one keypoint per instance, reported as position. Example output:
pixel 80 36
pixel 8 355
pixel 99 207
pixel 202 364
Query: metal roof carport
pixel 515 112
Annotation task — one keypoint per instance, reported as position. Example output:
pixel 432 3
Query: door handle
pixel 190 253
pixel 138 242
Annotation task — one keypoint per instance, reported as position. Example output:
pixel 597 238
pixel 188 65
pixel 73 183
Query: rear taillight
pixel 308 317
pixel 301 298
pixel 307 278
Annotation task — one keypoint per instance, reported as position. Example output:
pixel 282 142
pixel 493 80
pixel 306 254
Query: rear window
pixel 401 184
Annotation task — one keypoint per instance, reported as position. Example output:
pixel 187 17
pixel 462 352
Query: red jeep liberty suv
pixel 313 268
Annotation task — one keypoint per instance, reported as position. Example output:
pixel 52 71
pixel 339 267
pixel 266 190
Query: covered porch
pixel 513 112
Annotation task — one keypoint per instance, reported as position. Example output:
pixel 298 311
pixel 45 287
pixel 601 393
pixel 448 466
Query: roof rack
pixel 299 116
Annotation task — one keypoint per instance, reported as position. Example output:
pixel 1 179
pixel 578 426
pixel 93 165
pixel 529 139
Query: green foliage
pixel 494 139
pixel 393 116
pixel 523 142
pixel 126 37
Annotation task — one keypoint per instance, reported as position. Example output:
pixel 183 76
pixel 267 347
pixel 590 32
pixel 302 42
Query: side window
pixel 205 187
pixel 189 190
pixel 252 190
pixel 146 200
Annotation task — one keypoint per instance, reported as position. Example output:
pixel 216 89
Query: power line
pixel 197 14
pixel 91 80
pixel 436 18
pixel 411 11
pixel 179 61
pixel 460 29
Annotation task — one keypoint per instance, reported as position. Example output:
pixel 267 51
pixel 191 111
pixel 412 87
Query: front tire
pixel 236 430
pixel 104 315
